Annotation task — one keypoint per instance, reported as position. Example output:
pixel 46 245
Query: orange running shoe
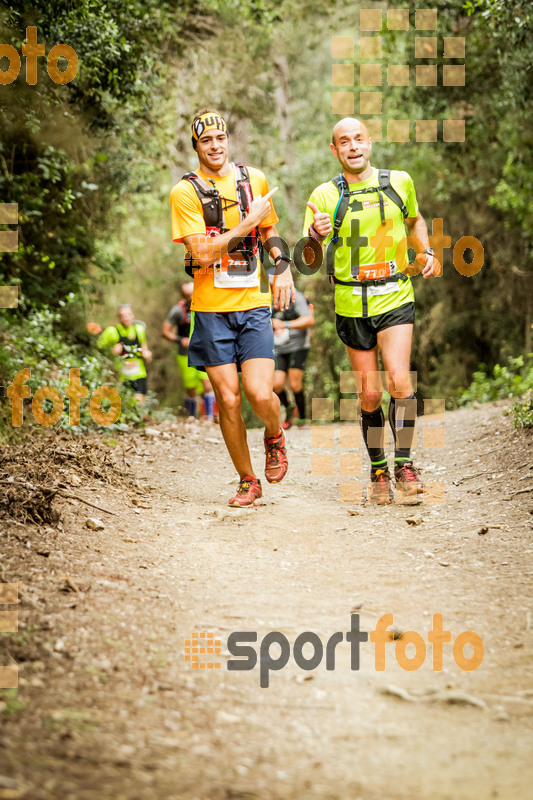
pixel 276 464
pixel 381 493
pixel 249 493
pixel 408 478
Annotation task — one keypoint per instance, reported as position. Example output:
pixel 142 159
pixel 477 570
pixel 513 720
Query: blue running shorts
pixel 230 337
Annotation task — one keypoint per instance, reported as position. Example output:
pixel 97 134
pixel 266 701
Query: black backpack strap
pixel 342 206
pixel 392 194
pixel 244 188
pixel 209 198
pixel 186 317
pixel 339 181
pixel 122 339
pixel 396 278
pixel 252 242
pixel 211 209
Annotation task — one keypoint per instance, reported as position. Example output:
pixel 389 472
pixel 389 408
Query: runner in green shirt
pixel 364 232
pixel 128 341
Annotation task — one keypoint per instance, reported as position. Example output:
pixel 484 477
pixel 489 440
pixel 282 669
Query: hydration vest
pixel 133 345
pixel 213 213
pixel 184 327
pixel 345 193
pixel 287 314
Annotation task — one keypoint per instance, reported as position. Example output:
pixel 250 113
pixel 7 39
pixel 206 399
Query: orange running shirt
pixel 187 220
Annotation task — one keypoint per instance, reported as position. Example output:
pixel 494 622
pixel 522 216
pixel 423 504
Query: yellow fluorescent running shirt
pixel 357 301
pixel 188 220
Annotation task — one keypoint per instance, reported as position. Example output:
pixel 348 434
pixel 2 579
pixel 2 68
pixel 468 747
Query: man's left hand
pixel 283 289
pixel 432 266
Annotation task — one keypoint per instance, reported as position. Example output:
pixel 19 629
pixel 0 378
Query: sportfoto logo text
pixel 239 644
pixel 32 50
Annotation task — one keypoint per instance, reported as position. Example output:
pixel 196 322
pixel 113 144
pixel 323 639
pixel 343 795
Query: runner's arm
pixel 146 354
pixel 110 340
pixel 416 227
pixel 321 224
pixel 317 229
pixel 205 250
pixel 294 324
pixel 168 331
pixel 283 285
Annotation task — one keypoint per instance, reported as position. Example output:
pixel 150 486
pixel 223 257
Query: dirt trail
pixel 108 709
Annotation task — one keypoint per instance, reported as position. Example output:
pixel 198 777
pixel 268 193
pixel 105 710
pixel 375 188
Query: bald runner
pixel 361 218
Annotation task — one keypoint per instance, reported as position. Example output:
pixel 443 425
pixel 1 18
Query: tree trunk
pixel 282 98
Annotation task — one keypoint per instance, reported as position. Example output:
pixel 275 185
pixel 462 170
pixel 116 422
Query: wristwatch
pixel 314 234
pixel 282 257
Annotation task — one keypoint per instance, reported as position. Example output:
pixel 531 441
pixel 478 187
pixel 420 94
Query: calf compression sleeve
pixel 373 427
pixel 190 406
pixel 209 403
pixel 402 419
pixel 284 400
pixel 299 398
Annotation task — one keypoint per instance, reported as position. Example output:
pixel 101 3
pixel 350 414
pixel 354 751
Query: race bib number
pixel 235 273
pixel 374 272
pixel 130 367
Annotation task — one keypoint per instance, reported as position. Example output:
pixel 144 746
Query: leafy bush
pixel 510 380
pixel 522 411
pixel 35 343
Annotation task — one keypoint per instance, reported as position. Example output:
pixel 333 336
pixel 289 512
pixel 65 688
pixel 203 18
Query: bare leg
pixel 258 385
pixel 225 382
pixel 395 345
pixel 296 378
pixel 366 362
pixel 279 380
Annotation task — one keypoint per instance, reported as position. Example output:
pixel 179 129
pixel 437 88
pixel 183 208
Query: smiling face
pixel 212 149
pixel 352 145
pixel 125 315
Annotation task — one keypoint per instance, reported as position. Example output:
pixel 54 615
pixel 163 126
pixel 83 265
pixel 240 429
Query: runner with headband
pixel 223 214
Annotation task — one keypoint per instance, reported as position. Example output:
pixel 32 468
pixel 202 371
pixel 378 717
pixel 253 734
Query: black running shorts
pixel 295 360
pixel 361 333
pixel 138 385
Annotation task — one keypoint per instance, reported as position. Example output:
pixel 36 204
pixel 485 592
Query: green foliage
pixel 479 188
pixel 37 344
pixel 9 702
pixel 88 162
pixel 69 153
pixel 505 380
pixel 522 411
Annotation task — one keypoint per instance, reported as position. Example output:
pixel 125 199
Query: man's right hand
pixel 321 221
pixel 260 207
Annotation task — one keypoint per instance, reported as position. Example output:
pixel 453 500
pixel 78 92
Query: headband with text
pixel 206 122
